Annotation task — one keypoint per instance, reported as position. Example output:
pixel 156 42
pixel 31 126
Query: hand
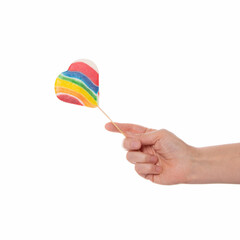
pixel 158 155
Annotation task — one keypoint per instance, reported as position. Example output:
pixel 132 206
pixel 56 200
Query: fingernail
pixel 135 144
pixel 153 159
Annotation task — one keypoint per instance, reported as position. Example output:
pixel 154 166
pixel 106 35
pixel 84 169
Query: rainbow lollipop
pixel 80 85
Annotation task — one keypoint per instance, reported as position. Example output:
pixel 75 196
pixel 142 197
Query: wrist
pixel 206 166
pixel 200 166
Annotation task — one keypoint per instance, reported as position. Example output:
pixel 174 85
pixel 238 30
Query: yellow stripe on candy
pixel 75 88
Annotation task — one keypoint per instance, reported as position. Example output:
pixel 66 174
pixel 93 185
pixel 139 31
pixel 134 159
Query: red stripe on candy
pixel 86 70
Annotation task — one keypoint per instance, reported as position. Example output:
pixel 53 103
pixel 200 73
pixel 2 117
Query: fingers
pixel 148 176
pixel 131 144
pixel 145 164
pixel 150 138
pixel 144 169
pixel 139 157
pixel 145 135
pixel 126 128
pixel 135 142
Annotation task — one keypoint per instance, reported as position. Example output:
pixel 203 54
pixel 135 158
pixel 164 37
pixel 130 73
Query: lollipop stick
pixel 112 121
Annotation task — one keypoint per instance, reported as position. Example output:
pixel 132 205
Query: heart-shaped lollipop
pixel 80 85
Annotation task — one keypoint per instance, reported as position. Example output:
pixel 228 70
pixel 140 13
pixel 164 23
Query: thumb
pixel 148 138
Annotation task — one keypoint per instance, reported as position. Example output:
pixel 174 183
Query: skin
pixel 163 158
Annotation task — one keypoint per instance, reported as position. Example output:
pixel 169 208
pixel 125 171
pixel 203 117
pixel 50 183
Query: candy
pixel 79 84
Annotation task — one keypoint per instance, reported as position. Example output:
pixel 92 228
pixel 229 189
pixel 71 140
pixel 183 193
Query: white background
pixel 163 64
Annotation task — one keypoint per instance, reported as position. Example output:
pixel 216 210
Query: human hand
pixel 158 155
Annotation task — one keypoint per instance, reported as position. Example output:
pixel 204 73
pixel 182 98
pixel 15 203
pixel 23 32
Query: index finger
pixel 126 128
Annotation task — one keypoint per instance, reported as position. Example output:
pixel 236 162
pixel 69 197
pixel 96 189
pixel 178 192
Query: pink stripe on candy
pixel 69 99
pixel 86 70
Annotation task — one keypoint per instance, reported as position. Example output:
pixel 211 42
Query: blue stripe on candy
pixel 83 78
